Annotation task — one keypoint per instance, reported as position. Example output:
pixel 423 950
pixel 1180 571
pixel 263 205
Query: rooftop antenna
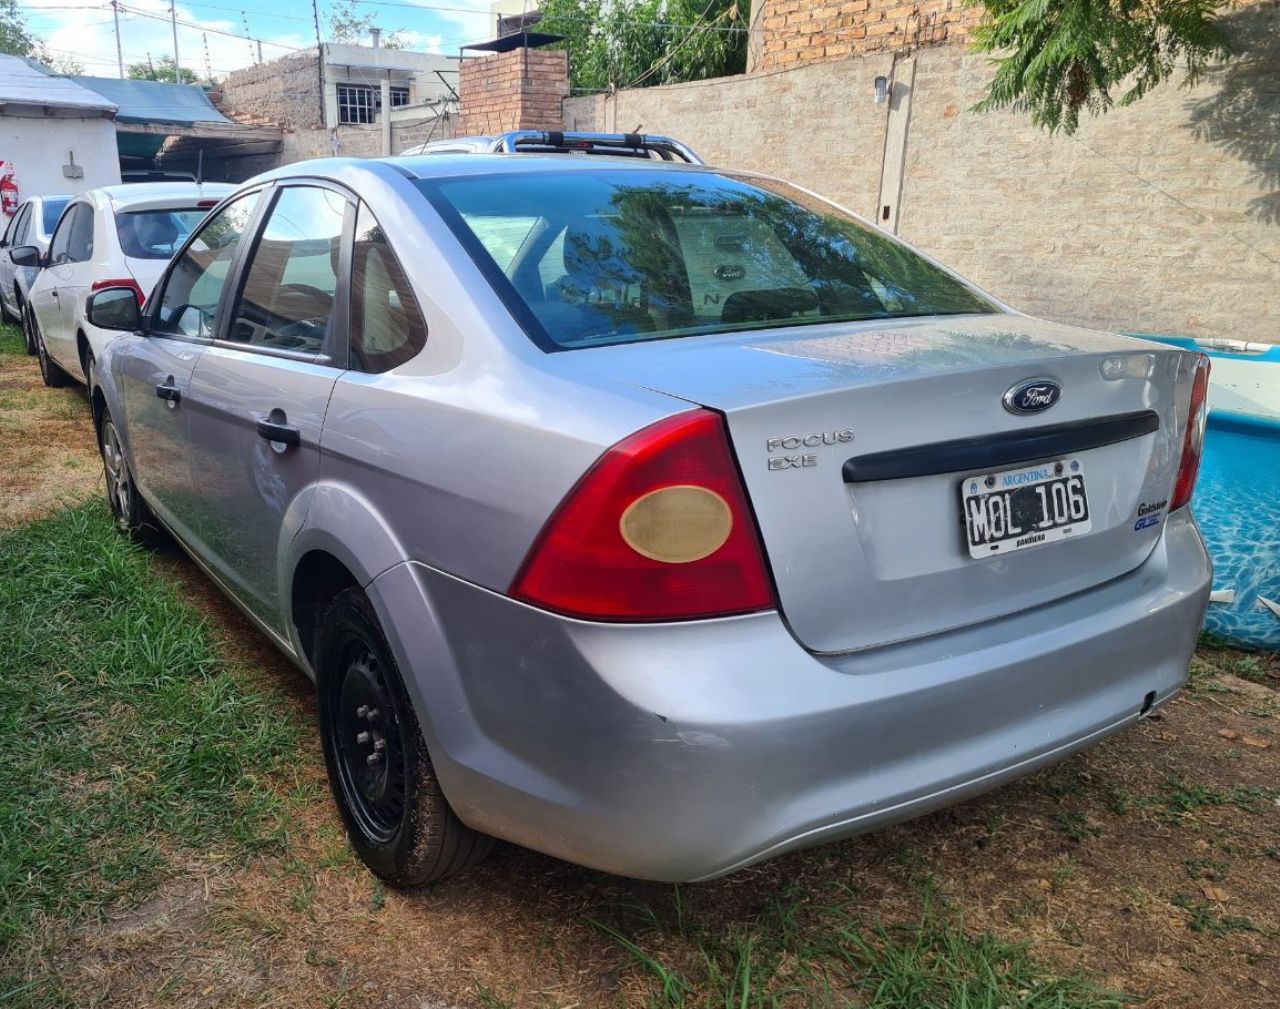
pixel 208 67
pixel 245 17
pixel 200 167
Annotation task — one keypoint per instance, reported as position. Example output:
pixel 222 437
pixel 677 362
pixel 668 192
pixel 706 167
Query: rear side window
pixel 387 327
pixel 80 234
pixel 155 234
pixel 16 233
pixel 73 241
pixel 292 277
pixel 50 213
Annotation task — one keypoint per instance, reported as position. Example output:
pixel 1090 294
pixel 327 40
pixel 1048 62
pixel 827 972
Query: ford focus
pixel 656 516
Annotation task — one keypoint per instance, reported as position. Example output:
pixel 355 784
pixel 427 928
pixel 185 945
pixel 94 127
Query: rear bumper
pixel 686 751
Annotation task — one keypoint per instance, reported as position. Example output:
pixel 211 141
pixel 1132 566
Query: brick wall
pixel 1160 217
pixel 812 31
pixel 521 89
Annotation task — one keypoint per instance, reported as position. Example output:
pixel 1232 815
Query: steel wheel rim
pixel 119 486
pixel 368 747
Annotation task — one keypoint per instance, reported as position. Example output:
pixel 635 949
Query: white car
pixel 33 224
pixel 116 236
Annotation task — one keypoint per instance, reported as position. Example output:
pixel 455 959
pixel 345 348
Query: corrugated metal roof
pixel 155 101
pixel 24 82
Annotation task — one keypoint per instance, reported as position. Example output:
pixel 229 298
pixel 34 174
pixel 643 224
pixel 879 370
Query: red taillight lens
pixel 99 285
pixel 1193 439
pixel 658 529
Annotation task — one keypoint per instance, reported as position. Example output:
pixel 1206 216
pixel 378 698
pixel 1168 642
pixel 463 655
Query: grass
pixel 800 954
pixel 125 739
pixel 11 340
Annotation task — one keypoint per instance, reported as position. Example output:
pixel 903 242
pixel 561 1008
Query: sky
pixel 83 29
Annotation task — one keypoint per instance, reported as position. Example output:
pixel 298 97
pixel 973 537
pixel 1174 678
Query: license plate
pixel 1027 507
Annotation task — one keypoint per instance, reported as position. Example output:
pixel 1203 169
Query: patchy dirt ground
pixel 47 453
pixel 1151 863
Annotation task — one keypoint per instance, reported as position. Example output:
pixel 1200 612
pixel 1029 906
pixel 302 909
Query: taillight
pixel 658 529
pixel 99 285
pixel 1193 439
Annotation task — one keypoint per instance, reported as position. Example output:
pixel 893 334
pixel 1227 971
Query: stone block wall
pixel 283 92
pixel 813 31
pixel 518 90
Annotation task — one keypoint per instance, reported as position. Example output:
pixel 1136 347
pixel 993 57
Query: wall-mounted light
pixel 882 90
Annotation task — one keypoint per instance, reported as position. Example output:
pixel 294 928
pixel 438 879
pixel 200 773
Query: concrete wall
pixel 283 92
pixel 39 147
pixel 1162 217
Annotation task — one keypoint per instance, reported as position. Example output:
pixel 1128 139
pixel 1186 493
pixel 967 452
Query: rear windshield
pixel 51 210
pixel 587 258
pixel 155 234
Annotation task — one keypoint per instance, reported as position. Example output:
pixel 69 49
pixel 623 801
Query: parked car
pixel 659 517
pixel 33 224
pixel 635 145
pixel 114 236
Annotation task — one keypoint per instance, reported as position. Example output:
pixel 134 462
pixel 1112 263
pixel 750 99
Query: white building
pixel 55 136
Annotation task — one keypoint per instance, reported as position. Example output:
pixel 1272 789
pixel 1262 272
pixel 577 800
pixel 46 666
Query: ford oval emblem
pixel 1032 396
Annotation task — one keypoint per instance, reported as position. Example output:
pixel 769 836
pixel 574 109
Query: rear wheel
pixel 131 514
pixel 397 817
pixel 54 377
pixel 7 315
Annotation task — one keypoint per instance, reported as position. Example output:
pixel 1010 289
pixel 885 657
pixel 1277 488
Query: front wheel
pixel 131 514
pixel 397 817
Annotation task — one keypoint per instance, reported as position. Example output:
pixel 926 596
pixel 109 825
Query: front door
pixel 258 396
pixel 156 374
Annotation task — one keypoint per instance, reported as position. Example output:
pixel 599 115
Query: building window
pixel 360 103
pixel 356 103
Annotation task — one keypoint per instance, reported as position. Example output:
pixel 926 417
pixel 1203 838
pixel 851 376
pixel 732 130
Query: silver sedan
pixel 656 516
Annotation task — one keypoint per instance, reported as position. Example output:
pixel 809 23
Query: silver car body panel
pixel 683 750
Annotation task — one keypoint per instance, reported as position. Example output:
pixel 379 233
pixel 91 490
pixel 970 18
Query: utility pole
pixel 173 18
pixel 115 13
pixel 324 103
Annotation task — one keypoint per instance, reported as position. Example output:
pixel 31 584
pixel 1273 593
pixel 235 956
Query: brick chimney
pixel 517 90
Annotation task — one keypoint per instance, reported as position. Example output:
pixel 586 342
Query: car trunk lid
pixel 855 443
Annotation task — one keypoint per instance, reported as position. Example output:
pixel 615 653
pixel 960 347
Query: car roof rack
pixel 626 144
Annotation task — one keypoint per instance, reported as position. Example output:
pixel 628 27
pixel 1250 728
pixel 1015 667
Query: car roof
pixel 159 194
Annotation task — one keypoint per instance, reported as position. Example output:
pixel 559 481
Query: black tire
pixel 54 377
pixel 131 514
pixel 29 330
pixel 6 314
pixel 398 819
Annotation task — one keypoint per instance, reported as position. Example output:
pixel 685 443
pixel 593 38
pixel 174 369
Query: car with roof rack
pixel 634 145
pixel 657 516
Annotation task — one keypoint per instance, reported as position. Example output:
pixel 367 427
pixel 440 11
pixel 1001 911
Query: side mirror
pixel 114 308
pixel 25 255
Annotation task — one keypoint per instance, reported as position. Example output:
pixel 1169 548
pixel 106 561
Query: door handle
pixel 54 293
pixel 169 392
pixel 279 432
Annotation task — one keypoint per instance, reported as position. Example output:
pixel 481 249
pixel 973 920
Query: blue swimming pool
pixel 1237 499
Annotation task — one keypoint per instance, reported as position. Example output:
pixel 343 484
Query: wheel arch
pixel 343 542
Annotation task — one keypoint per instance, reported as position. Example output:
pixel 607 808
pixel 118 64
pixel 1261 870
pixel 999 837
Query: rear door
pixel 155 375
pixel 258 395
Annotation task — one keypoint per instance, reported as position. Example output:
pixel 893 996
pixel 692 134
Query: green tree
pixel 162 69
pixel 349 26
pixel 1057 58
pixel 640 43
